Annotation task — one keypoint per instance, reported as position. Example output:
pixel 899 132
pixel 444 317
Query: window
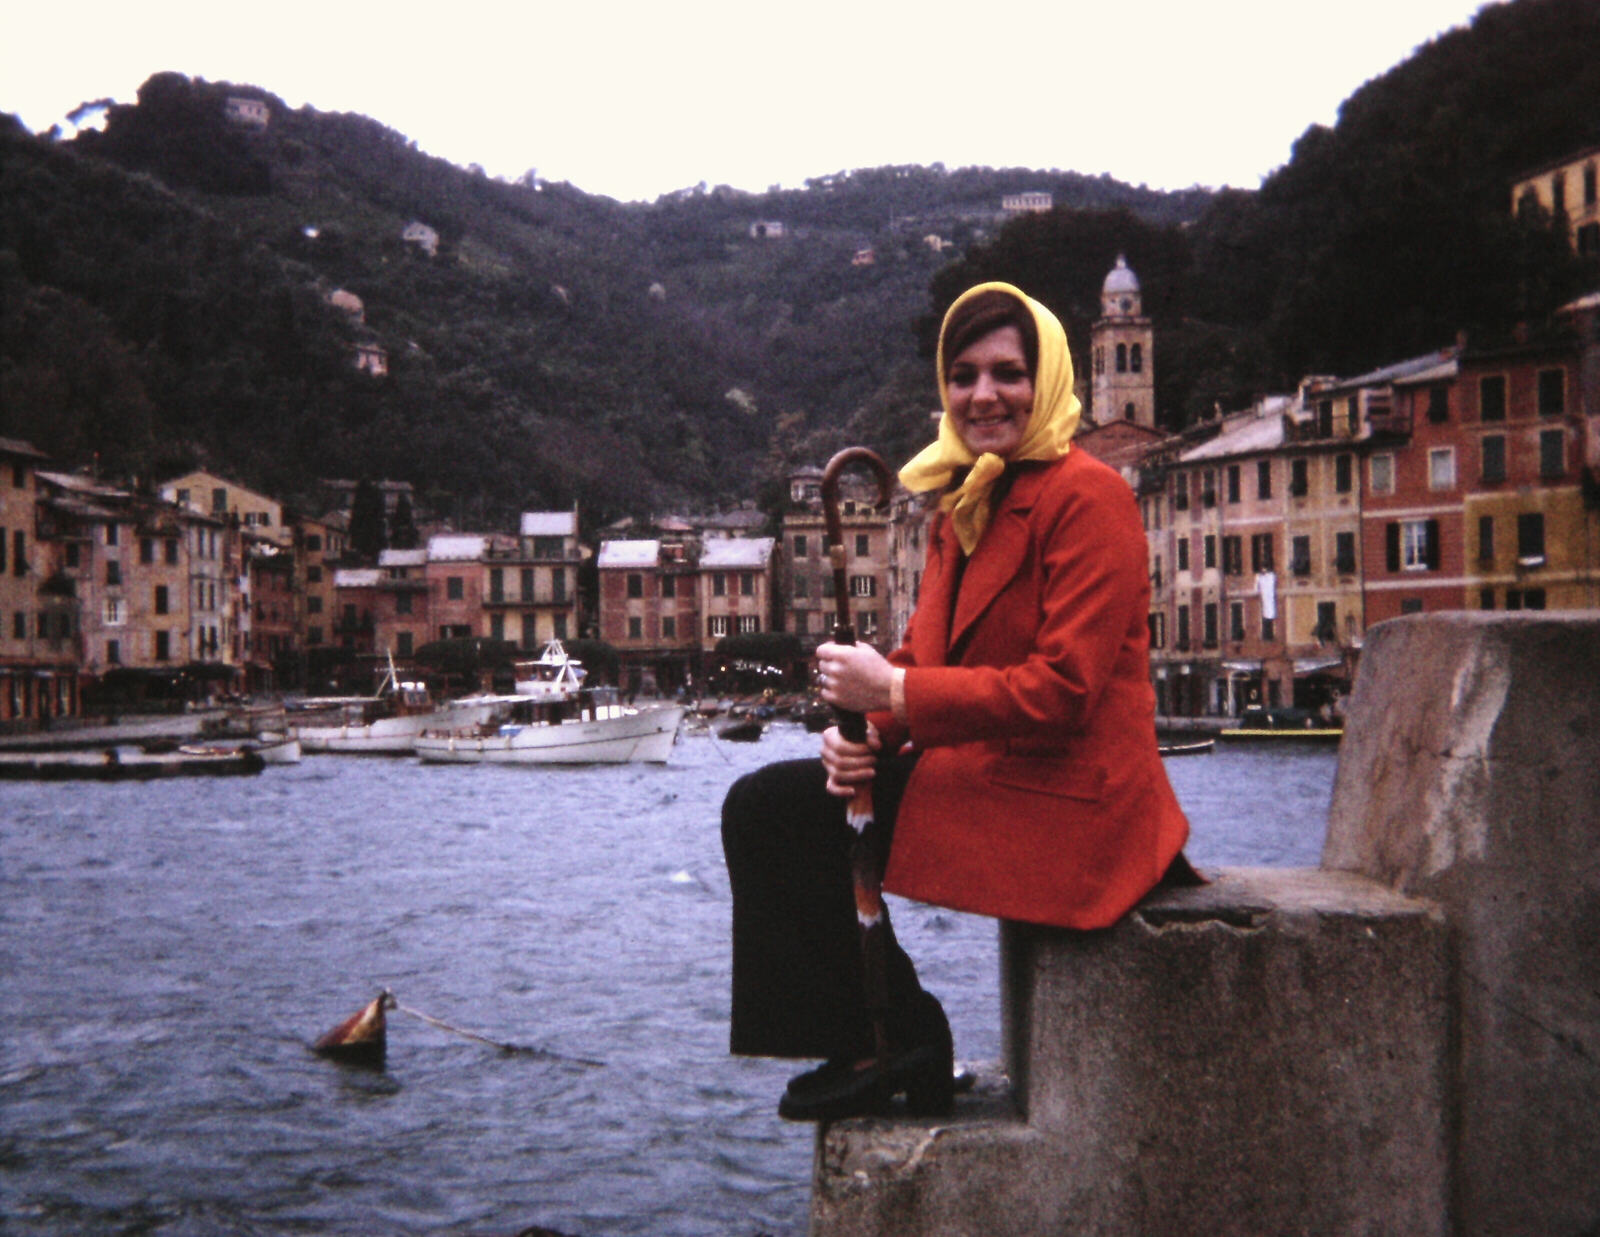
pixel 1342 471
pixel 1492 397
pixel 1261 557
pixel 1263 478
pixel 863 545
pixel 497 584
pixel 1210 546
pixel 1438 405
pixel 111 534
pixel 113 572
pixel 1344 553
pixel 313 605
pixel 111 612
pixel 19 627
pixel 546 546
pixel 147 549
pixel 1210 620
pixel 1269 629
pixel 1236 621
pixel 1158 630
pixel 561 626
pixel 313 635
pixel 800 545
pixel 1233 556
pixel 1180 493
pixel 669 627
pixel 719 584
pixel 454 588
pixel 402 603
pixel 1136 358
pixel 717 625
pixel 313 575
pixel 1300 556
pixel 1530 539
pixel 1524 599
pixel 1442 468
pixel 1380 473
pixel 114 652
pixel 802 586
pixel 1208 488
pixel 1325 419
pixel 72 552
pixel 1233 483
pixel 163 646
pixel 1353 415
pixel 1412 545
pixel 161 600
pixel 669 584
pixel 313 542
pixel 749 623
pixel 1411 605
pixel 1183 629
pixel 635 584
pixel 1183 554
pixel 1155 573
pixel 1122 358
pixel 863 586
pixel 525 583
pixel 747 584
pixel 1486 599
pixel 1552 453
pixel 802 622
pixel 1494 457
pixel 1299 478
pixel 1486 540
pixel 635 627
pixel 402 643
pixel 19 552
pixel 172 551
pixel 1327 628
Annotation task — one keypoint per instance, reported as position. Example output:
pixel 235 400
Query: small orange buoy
pixel 362 1038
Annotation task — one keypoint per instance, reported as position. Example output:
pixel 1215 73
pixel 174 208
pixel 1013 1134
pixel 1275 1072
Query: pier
pixel 1400 1040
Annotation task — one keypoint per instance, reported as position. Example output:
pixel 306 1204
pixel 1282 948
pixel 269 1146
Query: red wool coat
pixel 1040 794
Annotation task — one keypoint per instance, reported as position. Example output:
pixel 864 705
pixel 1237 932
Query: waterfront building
pixel 806 571
pixel 1531 527
pixel 531 581
pixel 734 588
pixel 210 494
pixel 402 618
pixel 271 605
pixel 455 576
pixel 39 649
pixel 355 625
pixel 319 547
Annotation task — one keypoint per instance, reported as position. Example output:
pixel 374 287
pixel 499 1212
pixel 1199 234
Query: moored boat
pixel 126 763
pixel 1197 748
pixel 589 726
pixel 741 730
pixel 384 724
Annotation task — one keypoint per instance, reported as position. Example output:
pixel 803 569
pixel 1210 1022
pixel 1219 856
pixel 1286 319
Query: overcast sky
pixel 637 99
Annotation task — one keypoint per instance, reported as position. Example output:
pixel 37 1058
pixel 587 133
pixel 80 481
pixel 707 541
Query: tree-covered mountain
pixel 165 284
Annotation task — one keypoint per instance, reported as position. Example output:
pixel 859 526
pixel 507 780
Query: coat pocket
pixel 1047 776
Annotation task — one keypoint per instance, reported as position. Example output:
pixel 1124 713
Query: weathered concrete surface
pixel 1470 775
pixel 1263 1055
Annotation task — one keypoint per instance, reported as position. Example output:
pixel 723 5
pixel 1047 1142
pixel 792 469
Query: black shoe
pixel 925 1075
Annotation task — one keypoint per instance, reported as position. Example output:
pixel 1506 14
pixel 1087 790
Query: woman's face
pixel 991 395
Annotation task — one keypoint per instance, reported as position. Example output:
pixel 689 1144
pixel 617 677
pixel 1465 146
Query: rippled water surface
pixel 168 950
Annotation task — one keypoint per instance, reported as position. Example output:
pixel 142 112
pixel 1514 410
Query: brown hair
pixel 983 314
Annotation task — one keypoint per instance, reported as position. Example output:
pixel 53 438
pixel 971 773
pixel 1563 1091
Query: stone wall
pixel 1404 1040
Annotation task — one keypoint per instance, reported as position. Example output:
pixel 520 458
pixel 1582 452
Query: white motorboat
pixel 384 724
pixel 589 726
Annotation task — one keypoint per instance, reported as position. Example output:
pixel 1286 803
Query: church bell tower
pixel 1121 344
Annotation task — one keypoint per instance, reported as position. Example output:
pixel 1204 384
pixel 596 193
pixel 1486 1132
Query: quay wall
pixel 1403 1040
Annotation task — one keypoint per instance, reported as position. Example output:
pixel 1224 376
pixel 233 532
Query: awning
pixel 1312 665
pixel 1244 666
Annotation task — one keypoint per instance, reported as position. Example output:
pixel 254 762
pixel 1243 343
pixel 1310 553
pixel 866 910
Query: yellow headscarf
pixel 1048 435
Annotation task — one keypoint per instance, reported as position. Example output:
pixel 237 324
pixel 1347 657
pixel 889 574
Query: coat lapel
pixel 998 557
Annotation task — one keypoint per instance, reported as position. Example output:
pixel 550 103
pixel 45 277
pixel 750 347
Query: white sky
pixel 634 98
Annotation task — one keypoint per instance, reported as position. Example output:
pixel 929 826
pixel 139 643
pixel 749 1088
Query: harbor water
pixel 168 950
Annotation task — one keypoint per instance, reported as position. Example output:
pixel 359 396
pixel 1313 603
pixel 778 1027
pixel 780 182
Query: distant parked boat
pixel 126 763
pixel 741 730
pixel 384 724
pixel 1258 724
pixel 590 726
pixel 1198 748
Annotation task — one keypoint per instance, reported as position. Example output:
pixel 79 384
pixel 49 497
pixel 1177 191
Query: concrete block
pixel 1470 775
pixel 1262 1055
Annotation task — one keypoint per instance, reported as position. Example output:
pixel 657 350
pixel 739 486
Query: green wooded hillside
pixel 164 286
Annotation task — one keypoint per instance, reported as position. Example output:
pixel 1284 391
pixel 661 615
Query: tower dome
pixel 1119 295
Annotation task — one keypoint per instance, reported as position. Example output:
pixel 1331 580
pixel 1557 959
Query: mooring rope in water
pixel 519 1049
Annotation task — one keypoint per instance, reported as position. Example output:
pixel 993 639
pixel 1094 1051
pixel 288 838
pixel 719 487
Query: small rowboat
pixel 1198 748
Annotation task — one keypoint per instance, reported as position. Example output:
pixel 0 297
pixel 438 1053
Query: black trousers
pixel 797 973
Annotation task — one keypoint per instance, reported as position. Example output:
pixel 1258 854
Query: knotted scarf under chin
pixel 1048 435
